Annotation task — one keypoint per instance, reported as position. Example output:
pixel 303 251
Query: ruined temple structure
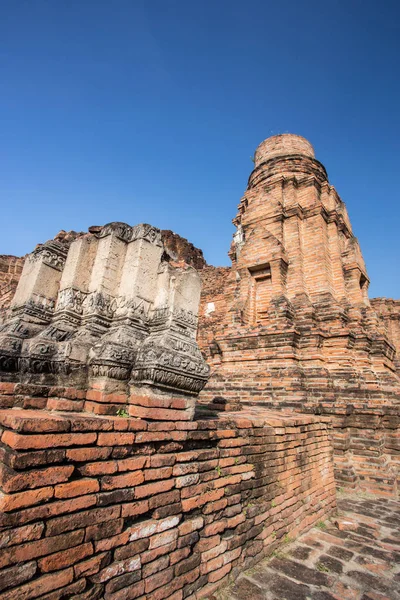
pixel 111 486
pixel 179 250
pixel 290 325
pixel 153 449
pixel 106 311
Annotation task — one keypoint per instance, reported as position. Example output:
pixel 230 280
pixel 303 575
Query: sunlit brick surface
pixel 290 325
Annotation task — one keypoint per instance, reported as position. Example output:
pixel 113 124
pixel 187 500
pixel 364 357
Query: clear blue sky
pixel 127 110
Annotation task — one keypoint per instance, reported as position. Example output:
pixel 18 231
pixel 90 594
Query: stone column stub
pixel 32 307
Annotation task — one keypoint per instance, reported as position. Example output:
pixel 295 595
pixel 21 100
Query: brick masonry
pixel 10 272
pixel 153 503
pixel 388 311
pixel 121 508
pixel 290 325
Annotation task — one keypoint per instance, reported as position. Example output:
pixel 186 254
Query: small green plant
pixel 287 539
pixel 253 160
pixel 273 504
pixel 321 525
pixel 236 460
pixel 273 535
pixel 122 412
pixel 219 470
pixel 322 568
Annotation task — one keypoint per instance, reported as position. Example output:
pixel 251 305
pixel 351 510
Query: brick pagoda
pixel 291 325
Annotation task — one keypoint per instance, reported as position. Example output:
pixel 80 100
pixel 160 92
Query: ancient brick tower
pixel 290 324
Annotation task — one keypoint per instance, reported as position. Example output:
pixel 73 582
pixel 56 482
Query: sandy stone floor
pixel 359 561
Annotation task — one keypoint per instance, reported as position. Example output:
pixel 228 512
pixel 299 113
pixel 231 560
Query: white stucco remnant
pixel 210 309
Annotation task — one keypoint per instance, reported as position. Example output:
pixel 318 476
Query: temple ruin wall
pixel 118 508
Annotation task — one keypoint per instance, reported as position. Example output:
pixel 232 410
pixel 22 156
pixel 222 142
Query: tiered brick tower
pixel 291 323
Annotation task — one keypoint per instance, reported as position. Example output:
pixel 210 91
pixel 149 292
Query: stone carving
pixel 71 299
pixel 185 316
pixel 51 253
pixel 107 307
pixel 158 365
pixel 98 303
pixel 170 358
pixel 135 307
pixel 129 234
pixel 37 306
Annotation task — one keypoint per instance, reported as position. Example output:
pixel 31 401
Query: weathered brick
pixel 135 508
pixel 150 489
pixel 76 488
pixel 33 421
pixel 40 586
pixel 88 454
pixel 18 535
pixel 154 553
pixel 12 481
pixel 155 581
pixel 164 498
pixel 191 525
pixel 159 473
pixel 162 460
pixel 65 558
pixel 131 549
pixel 129 593
pixel 15 576
pixel 219 573
pixel 115 439
pixel 9 502
pixel 131 479
pixel 91 565
pixel 102 530
pixel 82 519
pixel 188 564
pixel 27 442
pixel 154 567
pixel 122 581
pixel 163 539
pixel 117 568
pixel 38 548
pixel 150 527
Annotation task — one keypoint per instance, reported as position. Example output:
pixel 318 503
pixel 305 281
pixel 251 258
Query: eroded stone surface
pixel 102 309
pixel 331 564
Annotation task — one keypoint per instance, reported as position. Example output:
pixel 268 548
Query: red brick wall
pixel 213 310
pixel 388 311
pixel 109 507
pixel 10 272
pixel 181 249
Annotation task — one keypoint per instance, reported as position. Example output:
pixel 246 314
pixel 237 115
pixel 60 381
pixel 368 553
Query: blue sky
pixel 135 111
